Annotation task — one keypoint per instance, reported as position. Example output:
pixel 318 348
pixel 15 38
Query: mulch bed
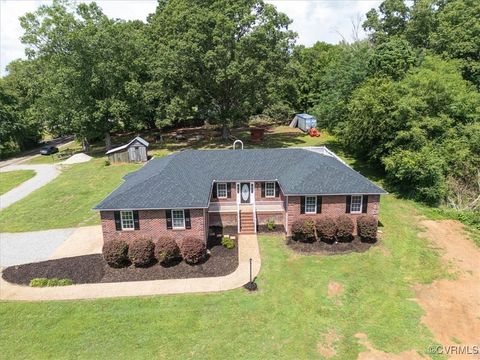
pixel 320 247
pixel 89 269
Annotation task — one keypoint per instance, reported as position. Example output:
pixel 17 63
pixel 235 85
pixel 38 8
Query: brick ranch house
pixel 184 194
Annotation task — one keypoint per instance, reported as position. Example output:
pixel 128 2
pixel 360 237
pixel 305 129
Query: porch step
pixel 246 223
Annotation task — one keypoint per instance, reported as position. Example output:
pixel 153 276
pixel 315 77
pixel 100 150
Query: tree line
pixel 406 99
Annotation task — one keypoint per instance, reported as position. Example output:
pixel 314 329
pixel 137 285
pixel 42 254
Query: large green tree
pixel 216 60
pixel 93 69
pixel 422 128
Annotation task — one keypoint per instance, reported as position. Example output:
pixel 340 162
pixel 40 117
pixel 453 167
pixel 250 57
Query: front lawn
pixel 68 200
pixel 289 317
pixel 11 179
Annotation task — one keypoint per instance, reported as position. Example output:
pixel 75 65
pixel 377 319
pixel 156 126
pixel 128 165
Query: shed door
pixel 136 154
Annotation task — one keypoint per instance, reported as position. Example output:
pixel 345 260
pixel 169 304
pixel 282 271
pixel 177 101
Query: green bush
pixel 107 162
pixel 227 242
pixel 367 227
pixel 43 282
pixel 115 253
pixel 193 250
pixel 345 228
pixel 303 230
pixel 326 229
pixel 271 224
pixel 140 252
pixel 166 250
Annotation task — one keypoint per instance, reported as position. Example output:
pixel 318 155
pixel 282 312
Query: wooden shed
pixel 134 151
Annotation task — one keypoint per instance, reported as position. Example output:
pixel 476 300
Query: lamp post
pixel 251 285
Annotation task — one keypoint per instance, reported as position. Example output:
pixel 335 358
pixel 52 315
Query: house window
pixel 356 204
pixel 126 218
pixel 222 190
pixel 178 219
pixel 310 204
pixel 270 189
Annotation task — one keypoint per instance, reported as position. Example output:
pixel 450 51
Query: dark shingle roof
pixel 184 179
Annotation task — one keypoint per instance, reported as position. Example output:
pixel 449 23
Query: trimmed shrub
pixel 271 224
pixel 227 242
pixel 166 250
pixel 345 228
pixel 115 253
pixel 326 229
pixel 367 227
pixel 140 252
pixel 303 230
pixel 193 250
pixel 42 282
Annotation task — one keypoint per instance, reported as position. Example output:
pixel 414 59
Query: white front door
pixel 245 193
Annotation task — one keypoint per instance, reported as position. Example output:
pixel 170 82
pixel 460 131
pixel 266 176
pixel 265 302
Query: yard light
pixel 251 286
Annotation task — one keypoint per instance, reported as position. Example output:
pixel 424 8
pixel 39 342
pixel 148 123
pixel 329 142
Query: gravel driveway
pixel 44 174
pixel 21 248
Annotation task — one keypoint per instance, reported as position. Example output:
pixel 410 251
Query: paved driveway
pixel 26 247
pixel 44 174
pixel 33 246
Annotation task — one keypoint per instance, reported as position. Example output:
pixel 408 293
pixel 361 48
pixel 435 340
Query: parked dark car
pixel 48 150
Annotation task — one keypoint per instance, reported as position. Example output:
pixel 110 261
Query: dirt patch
pixel 452 307
pixel 93 269
pixel 326 347
pixel 320 247
pixel 334 289
pixel 373 354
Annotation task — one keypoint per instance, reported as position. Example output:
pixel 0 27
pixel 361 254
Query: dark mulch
pixel 356 245
pixel 80 269
pixel 94 269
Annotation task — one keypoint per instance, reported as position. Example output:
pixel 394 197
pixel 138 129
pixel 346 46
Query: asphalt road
pixel 27 155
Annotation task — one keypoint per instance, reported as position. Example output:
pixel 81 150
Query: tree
pixel 20 128
pixel 417 128
pixel 457 35
pixel 348 68
pixel 393 57
pixel 216 60
pixel 92 69
pixel 390 20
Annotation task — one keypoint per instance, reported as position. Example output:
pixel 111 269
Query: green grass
pixel 67 200
pixel 280 136
pixel 285 319
pixel 11 179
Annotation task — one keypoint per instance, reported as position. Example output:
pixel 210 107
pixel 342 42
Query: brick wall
pixel 263 217
pixel 232 197
pixel 222 219
pixel 258 194
pixel 331 206
pixel 153 224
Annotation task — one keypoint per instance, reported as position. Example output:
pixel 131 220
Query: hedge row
pixel 142 252
pixel 330 230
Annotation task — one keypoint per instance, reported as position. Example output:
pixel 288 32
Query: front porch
pixel 245 218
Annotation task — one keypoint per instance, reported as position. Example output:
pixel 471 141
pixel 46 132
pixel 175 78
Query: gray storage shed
pixel 134 151
pixel 304 121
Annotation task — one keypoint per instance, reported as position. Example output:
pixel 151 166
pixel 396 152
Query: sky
pixel 314 20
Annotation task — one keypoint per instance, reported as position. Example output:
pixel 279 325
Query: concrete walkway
pixel 247 248
pixel 44 174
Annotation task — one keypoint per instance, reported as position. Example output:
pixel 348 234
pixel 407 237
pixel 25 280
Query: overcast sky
pixel 314 20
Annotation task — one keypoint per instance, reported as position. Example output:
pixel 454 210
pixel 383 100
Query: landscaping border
pixel 247 249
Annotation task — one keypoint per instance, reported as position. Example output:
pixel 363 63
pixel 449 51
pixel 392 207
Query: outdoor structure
pixel 134 151
pixel 184 194
pixel 304 122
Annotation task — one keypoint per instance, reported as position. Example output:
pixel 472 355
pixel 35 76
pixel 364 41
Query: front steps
pixel 246 223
